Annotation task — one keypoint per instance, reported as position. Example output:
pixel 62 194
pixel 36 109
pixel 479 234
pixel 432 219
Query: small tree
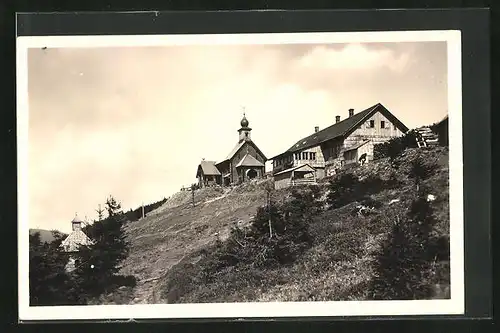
pixel 100 213
pixel 403 265
pixel 394 147
pixel 419 171
pixel 99 263
pixel 48 282
pixel 342 190
pixel 269 187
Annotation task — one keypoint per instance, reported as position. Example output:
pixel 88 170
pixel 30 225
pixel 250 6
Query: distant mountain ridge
pixel 46 235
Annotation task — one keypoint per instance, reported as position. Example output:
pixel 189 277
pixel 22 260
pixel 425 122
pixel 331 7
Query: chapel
pixel 244 162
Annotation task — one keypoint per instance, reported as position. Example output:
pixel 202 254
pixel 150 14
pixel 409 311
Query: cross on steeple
pixel 244 131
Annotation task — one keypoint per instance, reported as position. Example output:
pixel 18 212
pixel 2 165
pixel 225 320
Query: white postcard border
pixel 454 305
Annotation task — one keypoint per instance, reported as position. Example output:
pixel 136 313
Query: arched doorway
pixel 251 174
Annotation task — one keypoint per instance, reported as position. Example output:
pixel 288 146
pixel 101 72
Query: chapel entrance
pixel 252 174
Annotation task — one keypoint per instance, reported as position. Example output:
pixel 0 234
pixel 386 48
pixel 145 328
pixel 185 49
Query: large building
pixel 245 162
pixel 347 142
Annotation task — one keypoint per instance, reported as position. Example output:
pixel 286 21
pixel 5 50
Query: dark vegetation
pixel 394 147
pixel 136 214
pixel 348 188
pixel 276 237
pixel 344 240
pixel 356 246
pixel 49 283
pixel 96 266
pixel 405 267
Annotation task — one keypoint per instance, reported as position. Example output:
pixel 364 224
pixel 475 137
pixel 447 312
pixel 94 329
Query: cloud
pixel 138 120
pixel 353 57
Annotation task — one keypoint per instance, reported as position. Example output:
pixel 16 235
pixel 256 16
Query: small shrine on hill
pixel 76 238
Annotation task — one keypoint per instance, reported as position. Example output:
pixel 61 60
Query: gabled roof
pixel 237 148
pixel 250 161
pixel 344 128
pixel 234 151
pixel 302 167
pixel 208 168
pixel 74 240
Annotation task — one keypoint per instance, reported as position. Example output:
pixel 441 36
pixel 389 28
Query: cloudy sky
pixel 135 122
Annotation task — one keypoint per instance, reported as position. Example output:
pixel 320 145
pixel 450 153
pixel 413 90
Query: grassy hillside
pixel 46 236
pixel 174 249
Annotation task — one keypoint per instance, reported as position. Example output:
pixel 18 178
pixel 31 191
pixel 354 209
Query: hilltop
pixel 172 245
pixel 46 236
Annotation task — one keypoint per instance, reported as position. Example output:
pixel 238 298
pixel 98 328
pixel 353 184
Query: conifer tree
pixel 98 264
pixel 402 268
pixel 48 282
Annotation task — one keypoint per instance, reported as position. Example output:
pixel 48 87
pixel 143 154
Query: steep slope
pixel 337 267
pixel 177 229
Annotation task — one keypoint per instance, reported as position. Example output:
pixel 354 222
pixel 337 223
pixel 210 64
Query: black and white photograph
pixel 230 175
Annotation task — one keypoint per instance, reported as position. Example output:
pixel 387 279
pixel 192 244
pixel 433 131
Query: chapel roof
pixel 249 161
pixel 74 240
pixel 208 168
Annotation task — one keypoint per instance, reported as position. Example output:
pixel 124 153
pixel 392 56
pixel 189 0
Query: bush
pixel 420 171
pixel 404 268
pixel 394 147
pixel 342 190
pixel 277 236
pixel 98 265
pixel 135 215
pixel 48 281
pixel 349 188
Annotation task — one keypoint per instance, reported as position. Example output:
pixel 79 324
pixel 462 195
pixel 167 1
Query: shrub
pixel 420 171
pixel 349 188
pixel 342 190
pixel 404 264
pixel 99 263
pixel 394 147
pixel 277 236
pixel 49 283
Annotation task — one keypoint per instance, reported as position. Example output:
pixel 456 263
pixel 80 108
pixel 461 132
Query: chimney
pixel 316 129
pixel 337 119
pixel 351 112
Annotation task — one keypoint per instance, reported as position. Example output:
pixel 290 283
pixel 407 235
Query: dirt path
pixel 167 235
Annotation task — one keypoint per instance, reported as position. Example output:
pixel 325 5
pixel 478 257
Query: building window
pixel 297 156
pixel 382 124
pixel 372 123
pixel 304 155
pixel 394 126
pixel 313 156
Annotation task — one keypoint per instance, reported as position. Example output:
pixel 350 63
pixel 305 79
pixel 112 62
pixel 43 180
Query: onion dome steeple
pixel 244 122
pixel 244 131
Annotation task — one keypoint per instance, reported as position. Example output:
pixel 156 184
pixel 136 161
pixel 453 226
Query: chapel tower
pixel 244 131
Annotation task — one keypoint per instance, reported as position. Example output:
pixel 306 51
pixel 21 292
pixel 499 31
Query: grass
pixel 173 246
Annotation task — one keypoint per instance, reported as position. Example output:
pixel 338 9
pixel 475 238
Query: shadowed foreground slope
pixel 177 229
pixel 171 247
